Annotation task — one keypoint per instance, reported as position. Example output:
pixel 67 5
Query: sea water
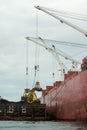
pixel 42 125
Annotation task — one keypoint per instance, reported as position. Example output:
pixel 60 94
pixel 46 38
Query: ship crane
pixel 56 54
pixel 62 20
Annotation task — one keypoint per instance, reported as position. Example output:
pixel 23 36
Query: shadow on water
pixel 81 125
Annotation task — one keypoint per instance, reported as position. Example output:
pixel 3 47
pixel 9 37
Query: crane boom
pixel 56 54
pixel 62 20
pixel 42 43
pixel 52 51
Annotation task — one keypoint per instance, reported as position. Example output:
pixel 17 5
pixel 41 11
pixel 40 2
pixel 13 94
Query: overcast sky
pixel 18 20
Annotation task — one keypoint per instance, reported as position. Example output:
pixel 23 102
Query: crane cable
pixel 36 67
pixel 69 14
pixel 27 64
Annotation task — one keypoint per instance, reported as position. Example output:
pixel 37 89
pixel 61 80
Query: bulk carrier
pixel 67 99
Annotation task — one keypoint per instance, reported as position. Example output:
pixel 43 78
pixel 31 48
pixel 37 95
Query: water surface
pixel 42 125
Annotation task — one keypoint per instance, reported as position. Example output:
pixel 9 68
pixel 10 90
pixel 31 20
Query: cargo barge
pixel 28 108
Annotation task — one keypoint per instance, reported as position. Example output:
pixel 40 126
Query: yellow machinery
pixel 30 95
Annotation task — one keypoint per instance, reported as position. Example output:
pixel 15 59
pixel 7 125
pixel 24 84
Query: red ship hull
pixel 67 100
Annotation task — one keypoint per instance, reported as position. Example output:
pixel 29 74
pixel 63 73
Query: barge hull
pixel 22 111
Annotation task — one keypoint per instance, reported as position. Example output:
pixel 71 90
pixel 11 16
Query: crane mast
pixel 62 20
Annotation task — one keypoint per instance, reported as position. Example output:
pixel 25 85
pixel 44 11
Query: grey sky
pixel 18 20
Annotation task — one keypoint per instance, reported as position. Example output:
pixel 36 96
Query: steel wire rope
pixel 66 43
pixel 72 15
pixel 36 67
pixel 27 63
pixel 66 12
pixel 74 45
pixel 83 51
pixel 53 67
